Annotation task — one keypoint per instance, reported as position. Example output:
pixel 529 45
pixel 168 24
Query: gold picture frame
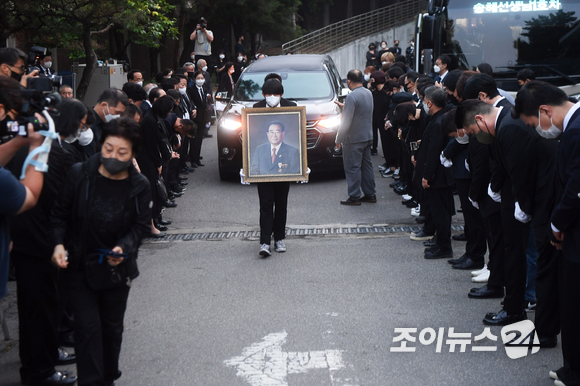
pixel 283 128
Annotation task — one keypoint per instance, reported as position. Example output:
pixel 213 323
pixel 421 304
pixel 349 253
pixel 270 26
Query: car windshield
pixel 300 85
pixel 542 34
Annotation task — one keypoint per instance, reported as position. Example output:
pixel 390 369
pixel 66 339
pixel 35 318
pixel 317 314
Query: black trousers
pixel 547 320
pixel 475 247
pixel 495 243
pixel 38 306
pixel 195 145
pixel 515 262
pixel 184 151
pixel 98 330
pixel 273 210
pixel 429 226
pixel 375 138
pixel 441 209
pixel 570 320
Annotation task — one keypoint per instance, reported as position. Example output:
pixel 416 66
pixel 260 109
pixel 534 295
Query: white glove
pixel 307 174
pixel 520 215
pixel 445 162
pixel 242 175
pixel 494 196
pixel 467 166
pixel 474 203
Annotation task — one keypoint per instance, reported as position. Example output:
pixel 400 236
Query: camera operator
pixel 39 305
pixel 13 65
pixel 17 196
pixel 202 38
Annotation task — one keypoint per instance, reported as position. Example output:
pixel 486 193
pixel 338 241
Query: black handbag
pixel 161 189
pixel 102 276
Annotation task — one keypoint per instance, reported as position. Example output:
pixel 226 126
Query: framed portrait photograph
pixel 274 144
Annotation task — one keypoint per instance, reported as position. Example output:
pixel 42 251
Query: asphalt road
pixel 212 312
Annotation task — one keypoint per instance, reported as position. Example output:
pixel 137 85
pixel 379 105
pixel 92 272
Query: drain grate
pixel 296 232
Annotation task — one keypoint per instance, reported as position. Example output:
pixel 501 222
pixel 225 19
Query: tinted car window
pixel 297 85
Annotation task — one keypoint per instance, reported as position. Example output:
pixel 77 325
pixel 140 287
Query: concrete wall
pixel 353 55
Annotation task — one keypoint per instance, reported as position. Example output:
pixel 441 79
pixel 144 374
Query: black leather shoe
pixel 439 253
pixel 176 193
pixel 430 243
pixel 65 358
pixel 200 164
pixel 58 378
pixel 503 318
pixel 412 204
pixel 460 237
pixel 485 293
pixel 208 136
pixel 350 201
pixel 371 199
pixel 420 219
pixel 169 204
pixel 420 236
pixel 395 184
pixel 162 228
pixel 157 235
pixel 183 178
pixel 183 183
pixel 165 222
pixel 548 341
pixel 458 260
pixel 469 264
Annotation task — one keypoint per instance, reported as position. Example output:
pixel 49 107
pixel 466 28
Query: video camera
pixel 202 23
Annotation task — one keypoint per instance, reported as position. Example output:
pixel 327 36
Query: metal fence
pixel 338 34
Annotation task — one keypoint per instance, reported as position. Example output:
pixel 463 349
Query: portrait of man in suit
pixel 276 156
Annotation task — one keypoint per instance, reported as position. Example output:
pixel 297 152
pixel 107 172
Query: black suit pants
pixel 38 306
pixel 516 236
pixel 547 310
pixel 98 329
pixel 495 243
pixel 273 210
pixel 475 247
pixel 441 208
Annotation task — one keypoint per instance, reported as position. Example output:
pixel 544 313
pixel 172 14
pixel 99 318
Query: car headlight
pixel 230 124
pixel 330 124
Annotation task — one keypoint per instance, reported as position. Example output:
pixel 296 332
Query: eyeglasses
pixel 85 127
pixel 21 68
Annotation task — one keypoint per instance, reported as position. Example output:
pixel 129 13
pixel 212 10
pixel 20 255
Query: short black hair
pixel 394 71
pixel 10 56
pixel 168 84
pixel 174 94
pixel 10 94
pixel 402 112
pixel 131 110
pixel 536 93
pixel 180 71
pixel 125 128
pixel 163 106
pixel 485 68
pixel 131 74
pixel 412 76
pixel 195 74
pixel 273 75
pixel 167 71
pixel 355 76
pixel 467 110
pixel 134 92
pixel 282 127
pixel 445 60
pixel 450 80
pixel 154 93
pixel 178 77
pixel 401 65
pixel 391 84
pixel 272 87
pixel 72 111
pixel 436 95
pixel 479 83
pixel 447 122
pixel 189 126
pixel 113 96
pixel 462 80
pixel 526 74
pixel 227 66
pixel 401 59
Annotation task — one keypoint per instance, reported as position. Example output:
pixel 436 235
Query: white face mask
pixel 425 108
pixel 193 58
pixel 182 91
pixel 73 137
pixel 367 77
pixel 240 58
pixel 222 56
pixel 462 140
pixel 86 137
pixel 109 117
pixel 552 133
pixel 273 100
pixel 139 83
pixel 199 82
pixel 384 63
pixel 384 46
pixel 436 69
pixel 47 64
pixel 204 68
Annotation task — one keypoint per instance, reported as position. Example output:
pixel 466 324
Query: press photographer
pixel 13 65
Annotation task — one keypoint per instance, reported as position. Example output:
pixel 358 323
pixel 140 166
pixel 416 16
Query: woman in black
pixel 381 101
pixel 155 150
pixel 226 81
pixel 101 216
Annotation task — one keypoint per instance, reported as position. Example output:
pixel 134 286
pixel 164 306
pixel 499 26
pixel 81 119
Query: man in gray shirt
pixel 355 137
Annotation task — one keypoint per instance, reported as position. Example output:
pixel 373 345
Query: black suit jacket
pixel 566 214
pixel 433 142
pixel 480 166
pixel 225 83
pixel 202 116
pixel 287 160
pixel 283 103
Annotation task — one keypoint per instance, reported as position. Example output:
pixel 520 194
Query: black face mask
pixel 190 74
pixel 452 99
pixel 114 166
pixel 17 77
